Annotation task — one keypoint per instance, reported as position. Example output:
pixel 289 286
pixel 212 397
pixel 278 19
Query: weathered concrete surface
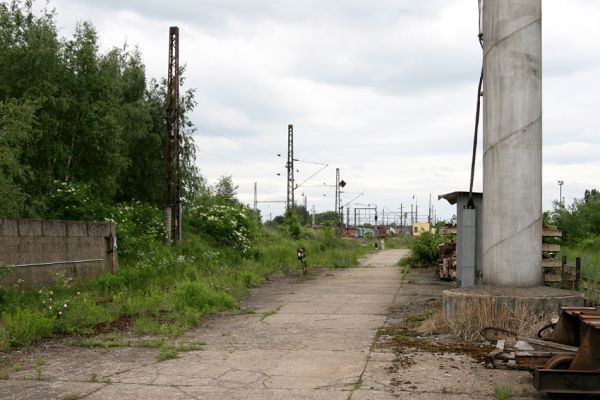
pixel 38 249
pixel 318 345
pixel 512 143
pixel 395 371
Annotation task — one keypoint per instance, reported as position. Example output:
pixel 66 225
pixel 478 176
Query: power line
pixel 310 162
pixel 237 140
pixel 310 177
pixel 236 161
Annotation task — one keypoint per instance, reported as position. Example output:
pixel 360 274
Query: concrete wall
pixel 35 250
pixel 469 273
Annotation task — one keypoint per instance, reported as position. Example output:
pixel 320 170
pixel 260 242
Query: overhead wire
pixel 236 161
pixel 237 140
pixel 470 203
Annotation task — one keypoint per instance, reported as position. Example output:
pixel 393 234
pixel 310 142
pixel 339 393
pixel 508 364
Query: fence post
pixel 577 272
pixel 562 271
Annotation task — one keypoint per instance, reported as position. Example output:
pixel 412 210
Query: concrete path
pixel 298 339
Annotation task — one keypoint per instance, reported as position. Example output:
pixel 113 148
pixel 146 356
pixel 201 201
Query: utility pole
pixel 172 185
pixel 290 169
pixel 337 194
pixel 429 214
pixel 313 215
pixel 560 198
pixel 412 215
pixel 401 223
pixel 305 210
pixel 255 213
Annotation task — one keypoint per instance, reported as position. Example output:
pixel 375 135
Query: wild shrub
pixel 423 249
pixel 200 296
pixel 293 224
pixel 226 224
pixel 23 327
pixel 139 227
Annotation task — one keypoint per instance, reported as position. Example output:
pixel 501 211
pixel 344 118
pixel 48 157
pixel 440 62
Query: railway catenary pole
pixel 290 170
pixel 172 142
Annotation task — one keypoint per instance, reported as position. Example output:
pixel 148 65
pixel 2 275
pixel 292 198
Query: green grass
pixel 268 313
pixel 104 342
pixel 590 258
pixel 166 353
pixel 163 290
pixel 502 392
pixel 358 384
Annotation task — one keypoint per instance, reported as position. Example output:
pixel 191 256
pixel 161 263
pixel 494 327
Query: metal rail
pixel 56 263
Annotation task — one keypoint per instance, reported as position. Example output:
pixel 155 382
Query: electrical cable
pixel 470 203
pixel 310 162
pixel 236 161
pixel 236 140
pixel 310 177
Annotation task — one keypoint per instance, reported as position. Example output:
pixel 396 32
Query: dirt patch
pixel 399 339
pixel 120 325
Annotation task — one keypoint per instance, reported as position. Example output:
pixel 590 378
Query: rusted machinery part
pixel 486 333
pixel 560 361
pixel 550 325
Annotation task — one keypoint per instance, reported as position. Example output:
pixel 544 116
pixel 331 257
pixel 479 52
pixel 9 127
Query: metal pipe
pixel 56 263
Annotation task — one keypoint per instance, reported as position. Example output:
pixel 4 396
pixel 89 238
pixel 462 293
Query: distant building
pixel 419 227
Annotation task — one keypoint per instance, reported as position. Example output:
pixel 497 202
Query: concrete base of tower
pixel 540 302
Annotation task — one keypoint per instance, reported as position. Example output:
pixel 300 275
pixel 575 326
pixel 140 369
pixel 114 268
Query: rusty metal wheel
pixel 560 361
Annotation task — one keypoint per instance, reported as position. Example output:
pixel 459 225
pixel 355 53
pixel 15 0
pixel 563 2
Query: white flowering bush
pixel 72 201
pixel 226 224
pixel 138 225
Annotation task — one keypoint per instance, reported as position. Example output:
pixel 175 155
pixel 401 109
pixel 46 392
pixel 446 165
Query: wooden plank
pixel 500 345
pixel 551 263
pixel 551 231
pixel 551 247
pixel 554 345
pixel 550 277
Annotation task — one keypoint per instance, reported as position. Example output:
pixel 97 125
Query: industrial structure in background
pixel 290 170
pixel 366 222
pixel 172 145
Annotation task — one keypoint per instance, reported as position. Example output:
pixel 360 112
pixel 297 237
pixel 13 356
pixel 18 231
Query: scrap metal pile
pixel 566 362
pixel 446 262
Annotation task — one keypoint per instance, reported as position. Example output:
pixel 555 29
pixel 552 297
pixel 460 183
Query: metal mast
pixel 254 210
pixel 172 186
pixel 337 194
pixel 290 169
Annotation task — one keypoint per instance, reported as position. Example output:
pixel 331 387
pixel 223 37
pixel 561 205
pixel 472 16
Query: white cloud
pixel 383 89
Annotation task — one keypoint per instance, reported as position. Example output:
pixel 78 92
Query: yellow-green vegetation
pixel 270 312
pixel 166 353
pixel 580 226
pixel 105 164
pixel 163 290
pixel 502 392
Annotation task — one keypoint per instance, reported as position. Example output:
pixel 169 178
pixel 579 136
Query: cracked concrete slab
pixel 316 340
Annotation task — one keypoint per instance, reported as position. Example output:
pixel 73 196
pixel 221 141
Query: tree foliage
pixel 72 113
pixel 580 220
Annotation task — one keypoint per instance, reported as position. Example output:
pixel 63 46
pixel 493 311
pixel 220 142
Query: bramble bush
pixel 225 224
pixel 72 201
pixel 139 226
pixel 423 249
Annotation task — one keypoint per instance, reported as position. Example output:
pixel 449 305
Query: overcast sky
pixel 385 90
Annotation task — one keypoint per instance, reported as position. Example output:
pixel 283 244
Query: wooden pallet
pixel 551 265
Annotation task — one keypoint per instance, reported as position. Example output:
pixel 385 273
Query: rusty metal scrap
pixel 446 263
pixel 565 364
